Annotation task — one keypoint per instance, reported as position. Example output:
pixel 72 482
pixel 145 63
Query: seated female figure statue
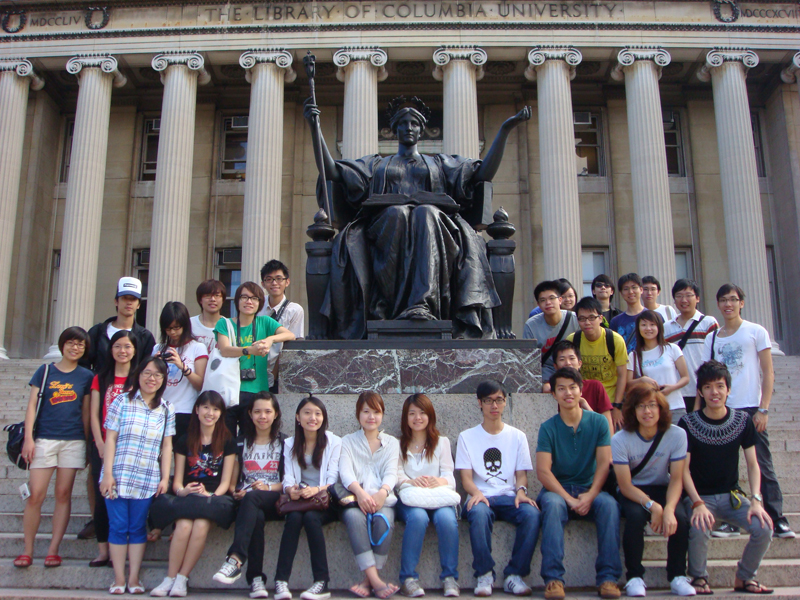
pixel 408 254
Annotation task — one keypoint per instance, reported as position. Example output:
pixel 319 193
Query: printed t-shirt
pixel 262 463
pixel 112 391
pixel 694 350
pixel 629 448
pixel 264 327
pixel 204 335
pixel 625 325
pixel 204 467
pixel 60 415
pixel 714 446
pixel 739 352
pixel 494 459
pixel 596 396
pixel 180 392
pixel 659 364
pixel 574 450
pixel 597 364
pixel 537 328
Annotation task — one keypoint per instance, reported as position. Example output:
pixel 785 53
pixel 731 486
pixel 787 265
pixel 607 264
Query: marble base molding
pixel 387 367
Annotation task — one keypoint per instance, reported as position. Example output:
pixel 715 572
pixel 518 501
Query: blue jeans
pixel 481 522
pixel 416 520
pixel 555 514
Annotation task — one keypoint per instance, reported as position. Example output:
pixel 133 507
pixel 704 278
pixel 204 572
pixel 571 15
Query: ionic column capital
pixel 194 61
pixel 628 56
pixel 281 57
pixel 538 56
pixel 105 62
pixel 477 56
pixel 376 56
pixel 24 68
pixel 719 56
pixel 789 74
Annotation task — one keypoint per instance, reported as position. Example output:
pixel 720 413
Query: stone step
pixel 13 503
pixel 12 522
pixel 725 548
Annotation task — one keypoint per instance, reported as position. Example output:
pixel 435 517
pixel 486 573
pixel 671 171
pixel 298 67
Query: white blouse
pixel 417 465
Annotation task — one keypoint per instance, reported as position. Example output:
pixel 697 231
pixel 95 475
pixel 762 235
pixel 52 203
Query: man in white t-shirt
pixel 493 459
pixel 210 297
pixel 744 347
pixel 651 288
pixel 275 280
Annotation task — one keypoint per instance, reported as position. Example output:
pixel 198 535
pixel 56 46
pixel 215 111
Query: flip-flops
pixel 23 561
pixel 700 584
pixel 386 592
pixel 53 560
pixel 751 586
pixel 360 591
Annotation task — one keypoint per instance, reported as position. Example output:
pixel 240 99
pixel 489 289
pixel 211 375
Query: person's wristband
pixel 698 503
pixel 186 371
pixel 617 405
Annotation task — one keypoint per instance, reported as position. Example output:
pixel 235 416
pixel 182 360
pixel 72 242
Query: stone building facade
pixel 165 140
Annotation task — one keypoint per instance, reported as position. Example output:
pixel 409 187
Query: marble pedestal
pixel 407 367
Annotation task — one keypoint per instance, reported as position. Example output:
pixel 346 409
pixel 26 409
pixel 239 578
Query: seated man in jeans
pixel 494 459
pixel 571 446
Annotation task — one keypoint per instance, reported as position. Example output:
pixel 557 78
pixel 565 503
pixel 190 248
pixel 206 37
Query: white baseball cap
pixel 129 286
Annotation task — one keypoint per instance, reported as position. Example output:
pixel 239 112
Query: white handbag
pixel 222 373
pixel 429 498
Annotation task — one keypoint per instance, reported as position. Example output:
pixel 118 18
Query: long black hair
pixel 221 434
pixel 105 378
pixel 249 428
pixel 299 448
pixel 175 312
pixel 133 379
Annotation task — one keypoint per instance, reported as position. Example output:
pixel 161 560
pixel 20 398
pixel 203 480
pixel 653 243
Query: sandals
pixel 386 592
pixel 700 584
pixel 53 560
pixel 360 591
pixel 23 561
pixel 136 590
pixel 751 586
pixel 116 590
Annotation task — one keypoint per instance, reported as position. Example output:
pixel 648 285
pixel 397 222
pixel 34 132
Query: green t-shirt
pixel 574 450
pixel 264 327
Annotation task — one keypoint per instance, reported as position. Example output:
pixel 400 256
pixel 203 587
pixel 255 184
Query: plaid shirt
pixel 140 429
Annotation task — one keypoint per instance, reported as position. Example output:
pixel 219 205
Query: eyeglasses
pixel 176 328
pixel 588 319
pixel 75 344
pixel 490 401
pixel 155 376
pixel 652 407
pixel 729 300
pixel 217 296
pixel 651 288
pixel 687 296
pixel 602 286
pixel 274 279
pixel 253 299
pixel 549 299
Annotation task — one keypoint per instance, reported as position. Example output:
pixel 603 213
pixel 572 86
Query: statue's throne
pixel 500 251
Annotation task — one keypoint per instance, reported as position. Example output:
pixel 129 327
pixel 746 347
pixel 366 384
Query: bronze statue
pixel 408 253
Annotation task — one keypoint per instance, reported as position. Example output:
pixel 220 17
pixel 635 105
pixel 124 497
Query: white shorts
pixel 64 454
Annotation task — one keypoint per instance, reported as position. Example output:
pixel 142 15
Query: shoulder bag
pixel 319 501
pixel 16 431
pixel 222 373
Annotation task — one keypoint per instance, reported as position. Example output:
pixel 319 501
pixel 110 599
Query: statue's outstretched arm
pixel 311 112
pixel 491 161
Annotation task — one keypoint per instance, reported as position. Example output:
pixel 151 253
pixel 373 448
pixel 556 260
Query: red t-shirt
pixel 595 395
pixel 112 392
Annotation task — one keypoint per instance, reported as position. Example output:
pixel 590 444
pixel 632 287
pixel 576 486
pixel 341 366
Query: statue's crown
pixel 402 102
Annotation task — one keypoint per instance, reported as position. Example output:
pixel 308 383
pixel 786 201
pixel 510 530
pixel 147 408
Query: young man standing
pixel 651 288
pixel 550 326
pixel 572 458
pixel 744 347
pixel 275 280
pixel 493 459
pixel 603 291
pixel 603 352
pixel 210 297
pixel 689 330
pixel 630 286
pixel 711 480
pixel 593 395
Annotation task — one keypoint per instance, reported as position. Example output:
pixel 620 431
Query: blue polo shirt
pixel 574 450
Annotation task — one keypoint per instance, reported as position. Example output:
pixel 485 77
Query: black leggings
pixel 313 521
pixel 100 515
pixel 257 507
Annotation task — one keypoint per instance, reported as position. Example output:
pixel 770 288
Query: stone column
pixel 652 209
pixel 552 68
pixel 790 73
pixel 741 199
pixel 360 69
pixel 16 76
pixel 80 242
pixel 267 69
pixel 169 244
pixel 460 67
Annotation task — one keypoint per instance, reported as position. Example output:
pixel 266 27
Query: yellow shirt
pixel 597 364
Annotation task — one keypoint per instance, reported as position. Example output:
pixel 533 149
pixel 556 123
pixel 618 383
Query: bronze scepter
pixel 309 61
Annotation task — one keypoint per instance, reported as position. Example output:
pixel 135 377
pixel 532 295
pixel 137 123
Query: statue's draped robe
pixel 389 261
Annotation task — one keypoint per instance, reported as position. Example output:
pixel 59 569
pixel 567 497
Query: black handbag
pixel 16 431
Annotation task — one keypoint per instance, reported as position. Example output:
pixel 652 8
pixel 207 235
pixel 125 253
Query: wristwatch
pixel 245 351
pixel 758 498
pixel 523 488
pixel 648 505
pixel 763 411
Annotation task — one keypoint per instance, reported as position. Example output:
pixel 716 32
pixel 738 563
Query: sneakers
pixel 608 589
pixel 230 571
pixel 257 588
pixel 282 591
pixel 485 582
pixel 514 585
pixel 411 588
pixel 451 587
pixel 726 530
pixel 636 588
pixel 681 586
pixel 554 590
pixel 782 530
pixel 179 587
pixel 163 588
pixel 318 591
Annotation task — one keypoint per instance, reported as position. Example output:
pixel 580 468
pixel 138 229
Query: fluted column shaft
pixel 261 231
pixel 791 74
pixel 169 245
pixel 561 223
pixel 360 69
pixel 459 69
pixel 14 84
pixel 741 197
pixel 652 209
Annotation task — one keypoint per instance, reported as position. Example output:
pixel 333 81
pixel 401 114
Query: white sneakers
pixel 681 586
pixel 514 585
pixel 179 587
pixel 484 586
pixel 451 587
pixel 636 588
pixel 163 588
pixel 257 588
pixel 282 591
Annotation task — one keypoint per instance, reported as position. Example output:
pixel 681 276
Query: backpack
pixel 16 431
pixel 576 339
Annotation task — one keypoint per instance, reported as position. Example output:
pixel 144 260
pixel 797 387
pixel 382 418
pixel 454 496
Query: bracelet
pixel 617 405
pixel 186 371
pixel 698 503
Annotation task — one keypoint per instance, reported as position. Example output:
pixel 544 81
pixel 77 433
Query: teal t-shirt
pixel 574 450
pixel 264 327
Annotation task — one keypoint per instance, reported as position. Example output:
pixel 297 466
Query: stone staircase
pixel 781 567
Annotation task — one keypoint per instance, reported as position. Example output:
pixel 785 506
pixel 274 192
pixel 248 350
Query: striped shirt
pixel 693 352
pixel 140 429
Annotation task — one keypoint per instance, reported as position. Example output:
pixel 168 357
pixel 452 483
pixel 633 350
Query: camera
pixel 247 374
